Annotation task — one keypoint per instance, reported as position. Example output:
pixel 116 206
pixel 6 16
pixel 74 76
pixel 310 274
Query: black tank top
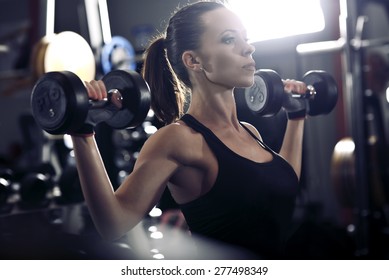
pixel 250 205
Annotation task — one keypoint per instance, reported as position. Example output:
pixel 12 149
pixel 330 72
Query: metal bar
pixel 321 47
pixel 350 44
pixel 352 58
pixel 94 24
pixel 50 17
pixel 104 19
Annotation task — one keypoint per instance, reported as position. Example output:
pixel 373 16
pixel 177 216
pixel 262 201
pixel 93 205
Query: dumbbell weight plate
pixel 265 96
pixel 34 188
pixel 326 92
pixel 4 191
pixel 59 102
pixel 136 98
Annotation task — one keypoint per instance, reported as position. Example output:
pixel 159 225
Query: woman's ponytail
pixel 167 97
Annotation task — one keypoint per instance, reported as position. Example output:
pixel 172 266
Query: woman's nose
pixel 249 50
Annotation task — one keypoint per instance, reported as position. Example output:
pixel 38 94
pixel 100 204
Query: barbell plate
pixel 264 97
pixel 38 57
pixel 59 102
pixel 136 98
pixel 118 54
pixel 326 92
pixel 343 172
pixel 69 51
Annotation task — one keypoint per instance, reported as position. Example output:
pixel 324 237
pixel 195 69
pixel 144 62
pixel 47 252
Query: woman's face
pixel 225 53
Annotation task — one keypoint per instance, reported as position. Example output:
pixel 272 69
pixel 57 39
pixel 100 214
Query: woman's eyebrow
pixel 232 30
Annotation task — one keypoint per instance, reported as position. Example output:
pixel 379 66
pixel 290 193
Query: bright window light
pixel 271 19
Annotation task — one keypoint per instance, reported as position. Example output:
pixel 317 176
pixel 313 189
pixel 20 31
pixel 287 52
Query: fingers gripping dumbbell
pixel 267 96
pixel 60 102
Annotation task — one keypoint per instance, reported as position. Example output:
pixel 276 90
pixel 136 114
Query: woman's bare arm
pixel 292 145
pixel 115 213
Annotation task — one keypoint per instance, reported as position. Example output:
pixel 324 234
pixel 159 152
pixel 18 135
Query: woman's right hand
pixel 96 89
pixel 296 108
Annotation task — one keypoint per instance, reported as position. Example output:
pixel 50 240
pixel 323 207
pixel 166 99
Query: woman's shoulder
pixel 176 141
pixel 174 136
pixel 178 130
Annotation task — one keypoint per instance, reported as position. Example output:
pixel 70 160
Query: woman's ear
pixel 190 61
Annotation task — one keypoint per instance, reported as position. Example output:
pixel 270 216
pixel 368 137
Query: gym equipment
pixel 36 184
pixel 343 172
pixel 34 188
pixel 118 54
pixel 69 51
pixel 65 51
pixel 5 191
pixel 266 96
pixel 7 179
pixel 60 102
pixel 111 52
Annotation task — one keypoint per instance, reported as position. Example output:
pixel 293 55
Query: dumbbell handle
pixel 309 94
pixel 114 97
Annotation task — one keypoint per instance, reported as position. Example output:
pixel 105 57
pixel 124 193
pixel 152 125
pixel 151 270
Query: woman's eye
pixel 228 40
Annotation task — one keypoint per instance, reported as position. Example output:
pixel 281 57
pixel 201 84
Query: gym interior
pixel 343 205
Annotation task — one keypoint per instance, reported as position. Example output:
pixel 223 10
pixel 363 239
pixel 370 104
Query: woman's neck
pixel 214 109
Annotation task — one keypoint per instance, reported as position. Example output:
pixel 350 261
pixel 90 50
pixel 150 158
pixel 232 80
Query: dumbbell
pixel 60 102
pixel 34 188
pixel 5 189
pixel 36 185
pixel 267 95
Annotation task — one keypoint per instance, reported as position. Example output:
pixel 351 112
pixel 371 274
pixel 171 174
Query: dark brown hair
pixel 163 67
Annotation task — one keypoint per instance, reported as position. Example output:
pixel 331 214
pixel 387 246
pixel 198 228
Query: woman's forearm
pixel 292 145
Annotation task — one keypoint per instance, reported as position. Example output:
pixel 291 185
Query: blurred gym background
pixel 342 210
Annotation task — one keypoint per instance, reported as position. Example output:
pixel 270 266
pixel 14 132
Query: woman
pixel 229 185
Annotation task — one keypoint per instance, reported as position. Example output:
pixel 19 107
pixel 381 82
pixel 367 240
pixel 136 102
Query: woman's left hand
pixel 296 108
